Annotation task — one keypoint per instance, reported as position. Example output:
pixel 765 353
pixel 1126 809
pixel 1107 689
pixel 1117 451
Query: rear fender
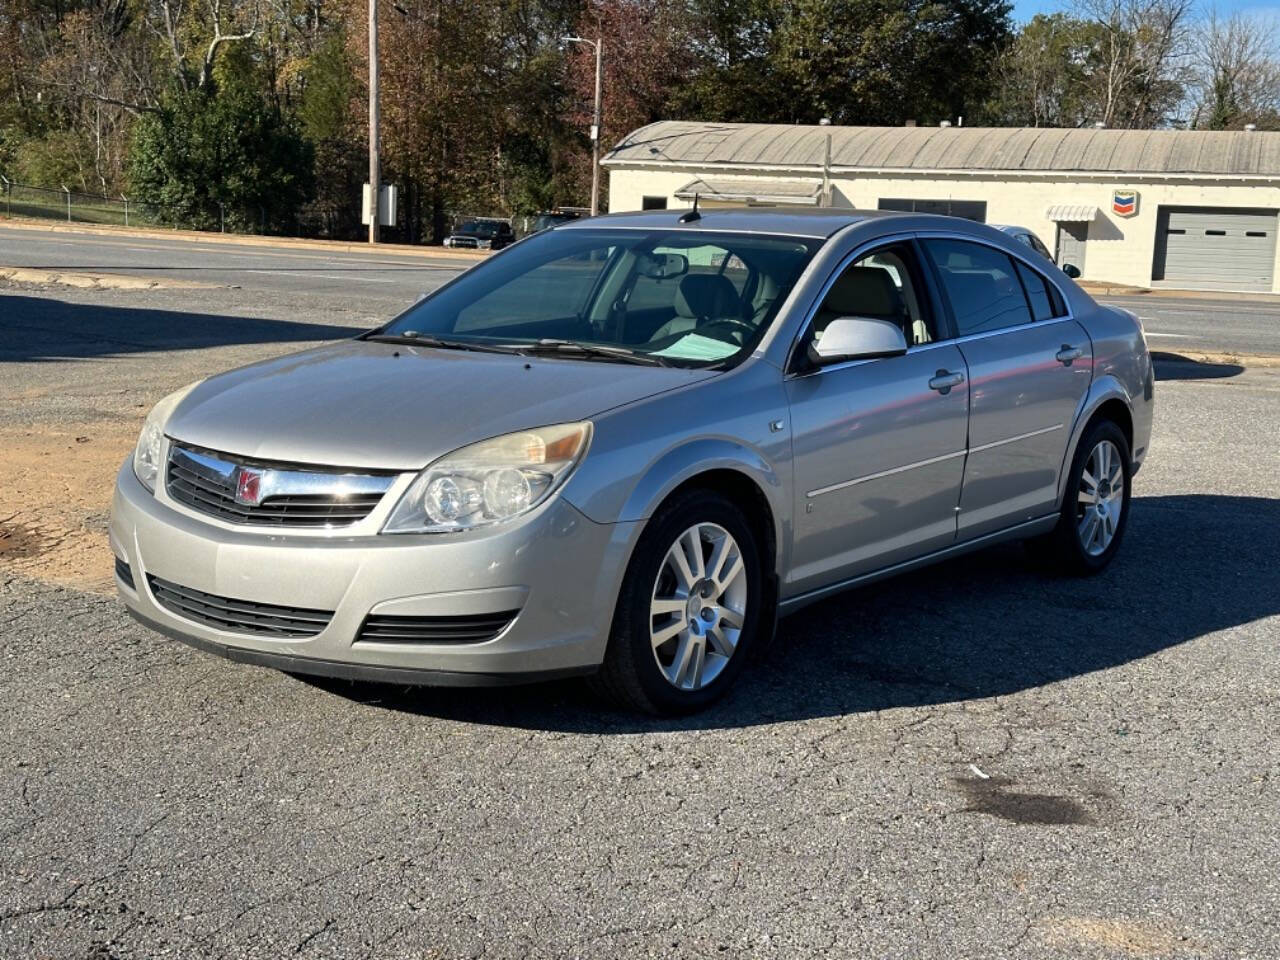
pixel 1102 390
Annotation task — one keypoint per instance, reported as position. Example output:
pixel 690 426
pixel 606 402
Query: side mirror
pixel 857 338
pixel 1071 270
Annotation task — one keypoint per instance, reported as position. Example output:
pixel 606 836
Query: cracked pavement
pixel 976 760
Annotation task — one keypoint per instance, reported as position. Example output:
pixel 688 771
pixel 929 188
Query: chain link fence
pixel 21 200
pixel 71 206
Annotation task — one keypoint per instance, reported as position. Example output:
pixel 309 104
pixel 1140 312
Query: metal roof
pixel 752 191
pixel 968 149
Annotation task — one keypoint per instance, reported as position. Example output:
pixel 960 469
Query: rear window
pixel 1039 294
pixel 981 284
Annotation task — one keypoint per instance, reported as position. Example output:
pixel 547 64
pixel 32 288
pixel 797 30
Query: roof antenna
pixel 693 214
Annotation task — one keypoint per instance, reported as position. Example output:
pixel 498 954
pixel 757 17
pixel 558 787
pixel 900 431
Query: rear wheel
pixel 1095 508
pixel 689 609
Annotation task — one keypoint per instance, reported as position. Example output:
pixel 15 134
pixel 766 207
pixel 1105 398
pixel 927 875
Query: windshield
pixel 482 228
pixel 686 298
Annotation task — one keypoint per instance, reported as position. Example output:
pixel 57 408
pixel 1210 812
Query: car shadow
pixel 35 329
pixel 1175 366
pixel 987 625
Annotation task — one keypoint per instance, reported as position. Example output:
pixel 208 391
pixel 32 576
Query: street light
pixel 373 122
pixel 597 44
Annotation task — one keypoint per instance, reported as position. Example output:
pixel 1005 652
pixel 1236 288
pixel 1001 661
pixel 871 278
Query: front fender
pixel 680 464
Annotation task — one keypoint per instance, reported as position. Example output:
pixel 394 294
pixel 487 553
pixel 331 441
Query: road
pixel 384 283
pixel 979 761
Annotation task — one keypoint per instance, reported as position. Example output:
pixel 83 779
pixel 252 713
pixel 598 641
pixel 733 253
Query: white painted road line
pixel 320 276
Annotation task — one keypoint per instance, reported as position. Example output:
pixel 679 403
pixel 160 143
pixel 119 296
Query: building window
pixel 653 203
pixel 969 209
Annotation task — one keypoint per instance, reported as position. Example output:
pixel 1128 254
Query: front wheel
pixel 1095 508
pixel 689 609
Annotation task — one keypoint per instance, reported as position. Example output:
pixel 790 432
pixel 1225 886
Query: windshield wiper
pixel 550 346
pixel 413 338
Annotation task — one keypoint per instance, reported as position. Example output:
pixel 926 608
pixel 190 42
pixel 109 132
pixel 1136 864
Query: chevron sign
pixel 1124 203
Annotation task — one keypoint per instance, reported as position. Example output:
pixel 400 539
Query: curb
pixel 251 240
pixel 1103 289
pixel 99 281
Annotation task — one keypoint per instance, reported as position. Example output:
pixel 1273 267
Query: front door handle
pixel 944 380
pixel 1069 353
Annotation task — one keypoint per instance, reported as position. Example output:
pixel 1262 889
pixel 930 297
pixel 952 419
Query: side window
pixel 1039 247
pixel 981 284
pixel 1045 305
pixel 883 285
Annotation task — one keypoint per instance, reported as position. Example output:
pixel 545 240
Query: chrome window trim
pixel 862 249
pixel 986 334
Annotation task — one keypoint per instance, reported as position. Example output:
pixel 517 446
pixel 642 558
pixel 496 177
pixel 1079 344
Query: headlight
pixel 491 481
pixel 146 455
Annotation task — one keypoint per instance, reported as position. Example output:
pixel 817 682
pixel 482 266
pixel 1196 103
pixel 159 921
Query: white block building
pixel 1184 209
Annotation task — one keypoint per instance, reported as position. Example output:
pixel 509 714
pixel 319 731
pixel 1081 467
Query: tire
pixel 1088 534
pixel 669 677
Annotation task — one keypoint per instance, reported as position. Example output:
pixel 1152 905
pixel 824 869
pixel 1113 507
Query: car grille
pixel 469 242
pixel 474 628
pixel 238 616
pixel 207 481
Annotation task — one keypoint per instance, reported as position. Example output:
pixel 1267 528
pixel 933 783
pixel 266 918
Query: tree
pixel 1237 67
pixel 643 59
pixel 1040 75
pixel 1135 76
pixel 1121 63
pixel 852 61
pixel 221 148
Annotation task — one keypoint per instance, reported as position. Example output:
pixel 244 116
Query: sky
pixel 1026 9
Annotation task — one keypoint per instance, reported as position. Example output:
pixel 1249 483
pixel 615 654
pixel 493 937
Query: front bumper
pixel 560 570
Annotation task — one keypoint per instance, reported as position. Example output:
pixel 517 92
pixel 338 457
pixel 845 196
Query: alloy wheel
pixel 1100 499
pixel 698 606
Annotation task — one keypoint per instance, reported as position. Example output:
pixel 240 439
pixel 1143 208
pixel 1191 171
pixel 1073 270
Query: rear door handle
pixel 944 380
pixel 1069 353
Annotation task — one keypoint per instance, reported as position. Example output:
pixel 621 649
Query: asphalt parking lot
pixel 974 761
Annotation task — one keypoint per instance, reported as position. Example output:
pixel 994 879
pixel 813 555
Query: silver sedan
pixel 625 446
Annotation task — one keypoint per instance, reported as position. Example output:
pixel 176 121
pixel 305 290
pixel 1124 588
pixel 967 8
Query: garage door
pixel 1216 247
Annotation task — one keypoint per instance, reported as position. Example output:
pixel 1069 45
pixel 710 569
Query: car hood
pixel 394 407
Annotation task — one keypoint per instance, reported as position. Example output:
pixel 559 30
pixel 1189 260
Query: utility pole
pixel 373 121
pixel 598 43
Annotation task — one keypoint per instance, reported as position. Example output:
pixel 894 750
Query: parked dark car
pixel 481 233
pixel 552 218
